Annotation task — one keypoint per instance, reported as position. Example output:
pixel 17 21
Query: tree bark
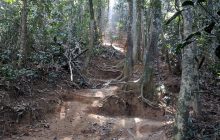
pixel 23 36
pixel 128 68
pixel 139 32
pixel 143 33
pixel 92 33
pixel 99 18
pixel 134 29
pixel 92 18
pixel 147 83
pixel 187 100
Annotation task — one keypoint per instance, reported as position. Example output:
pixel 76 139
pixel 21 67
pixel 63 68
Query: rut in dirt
pixel 103 114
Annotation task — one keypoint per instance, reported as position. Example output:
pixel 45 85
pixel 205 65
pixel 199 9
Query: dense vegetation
pixel 43 38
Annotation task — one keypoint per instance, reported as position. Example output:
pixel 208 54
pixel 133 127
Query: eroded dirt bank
pixel 100 114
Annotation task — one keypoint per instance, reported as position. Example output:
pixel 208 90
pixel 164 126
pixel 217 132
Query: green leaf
pixel 173 17
pixel 188 3
pixel 210 27
pixel 198 33
pixel 9 1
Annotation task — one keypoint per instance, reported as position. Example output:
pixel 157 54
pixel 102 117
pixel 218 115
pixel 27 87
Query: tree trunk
pixel 147 83
pixel 99 18
pixel 148 17
pixel 23 36
pixel 139 33
pixel 134 30
pixel 180 31
pixel 188 84
pixel 129 62
pixel 92 18
pixel 92 33
pixel 143 33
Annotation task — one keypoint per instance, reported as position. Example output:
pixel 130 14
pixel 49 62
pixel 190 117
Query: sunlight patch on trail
pixel 138 128
pixel 67 138
pixel 115 46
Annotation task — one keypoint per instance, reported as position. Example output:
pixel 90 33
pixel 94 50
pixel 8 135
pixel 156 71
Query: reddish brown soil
pixel 95 114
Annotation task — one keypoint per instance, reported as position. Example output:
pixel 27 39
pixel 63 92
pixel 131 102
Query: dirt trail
pixel 79 119
pixel 100 114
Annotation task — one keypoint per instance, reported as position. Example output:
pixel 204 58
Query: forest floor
pixel 101 111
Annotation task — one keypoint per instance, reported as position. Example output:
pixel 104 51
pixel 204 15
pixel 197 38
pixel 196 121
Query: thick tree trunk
pixel 92 33
pixel 139 33
pixel 99 18
pixel 147 84
pixel 180 31
pixel 148 17
pixel 188 84
pixel 23 35
pixel 134 30
pixel 92 18
pixel 143 33
pixel 129 62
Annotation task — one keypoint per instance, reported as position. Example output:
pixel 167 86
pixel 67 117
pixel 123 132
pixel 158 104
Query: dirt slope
pixel 80 118
pixel 97 113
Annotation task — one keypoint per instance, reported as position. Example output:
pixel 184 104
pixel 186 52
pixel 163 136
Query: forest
pixel 109 69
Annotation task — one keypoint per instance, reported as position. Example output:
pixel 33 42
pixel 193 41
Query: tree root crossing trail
pixel 81 117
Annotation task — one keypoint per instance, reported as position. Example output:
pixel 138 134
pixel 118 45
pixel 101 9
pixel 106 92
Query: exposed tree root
pixel 70 83
pixel 124 82
pixel 127 91
pixel 119 77
pixel 127 85
pixel 129 132
pixel 120 65
pixel 107 69
pixel 146 100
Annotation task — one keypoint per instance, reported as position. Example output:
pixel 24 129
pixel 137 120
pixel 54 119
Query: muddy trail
pixel 102 112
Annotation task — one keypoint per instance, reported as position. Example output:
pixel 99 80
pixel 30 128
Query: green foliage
pixel 51 55
pixel 178 13
pixel 202 41
pixel 215 69
pixel 120 25
pixel 46 19
pixel 9 1
pixel 5 56
pixel 8 72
